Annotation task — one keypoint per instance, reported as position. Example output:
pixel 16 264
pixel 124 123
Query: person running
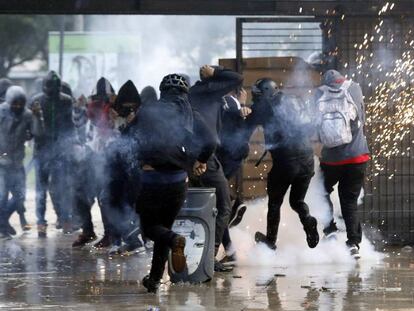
pixel 287 131
pixel 171 140
pixel 340 112
pixel 207 96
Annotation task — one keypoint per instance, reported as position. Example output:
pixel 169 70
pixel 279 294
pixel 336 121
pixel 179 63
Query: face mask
pixel 17 109
pixel 125 109
pixel 52 88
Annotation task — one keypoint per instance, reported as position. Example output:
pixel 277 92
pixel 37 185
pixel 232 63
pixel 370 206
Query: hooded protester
pixel 287 130
pixel 99 133
pixel 17 125
pixel 52 152
pixel 123 173
pixel 148 95
pixel 171 139
pixel 340 112
pixel 4 85
pixel 211 98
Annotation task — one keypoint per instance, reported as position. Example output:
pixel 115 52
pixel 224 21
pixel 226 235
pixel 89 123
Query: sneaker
pixel 149 245
pixel 58 225
pixel 310 225
pixel 229 260
pixel 150 284
pixel 178 260
pixel 238 215
pixel 42 231
pixel 354 251
pixel 115 249
pixel 84 239
pixel 219 267
pixel 67 228
pixel 27 227
pixel 330 231
pixel 9 229
pixel 261 238
pixel 105 242
pixel 333 236
pixel 4 236
pixel 130 248
pixel 23 223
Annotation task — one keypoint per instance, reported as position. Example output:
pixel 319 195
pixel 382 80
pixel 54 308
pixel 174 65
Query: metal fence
pixel 388 192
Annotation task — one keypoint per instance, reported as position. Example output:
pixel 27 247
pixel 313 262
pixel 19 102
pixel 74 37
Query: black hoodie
pixel 206 97
pixel 57 115
pixel 128 93
pixel 148 95
pixel 170 135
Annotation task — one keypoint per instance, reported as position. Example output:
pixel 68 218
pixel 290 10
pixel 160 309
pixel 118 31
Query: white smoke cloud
pixel 170 44
pixel 292 247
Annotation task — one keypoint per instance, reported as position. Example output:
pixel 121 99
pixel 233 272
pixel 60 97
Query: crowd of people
pixel 136 154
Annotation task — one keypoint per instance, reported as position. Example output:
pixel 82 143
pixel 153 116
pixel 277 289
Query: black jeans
pixel 296 173
pixel 214 178
pixel 350 179
pixel 230 168
pixel 158 205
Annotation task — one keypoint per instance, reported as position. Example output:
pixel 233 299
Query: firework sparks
pixel 390 110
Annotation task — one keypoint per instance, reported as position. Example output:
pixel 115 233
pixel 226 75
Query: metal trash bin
pixel 197 222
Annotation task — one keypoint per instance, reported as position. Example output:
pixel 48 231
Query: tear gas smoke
pixel 292 247
pixel 172 44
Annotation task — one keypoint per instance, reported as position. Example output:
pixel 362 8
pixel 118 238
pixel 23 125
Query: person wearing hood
pixel 17 125
pixel 95 116
pixel 287 129
pixel 148 95
pixel 171 140
pixel 215 93
pixel 4 85
pixel 52 152
pixel 345 151
pixel 122 180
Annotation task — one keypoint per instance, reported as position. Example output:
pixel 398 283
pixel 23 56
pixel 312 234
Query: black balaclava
pixel 174 87
pixel 103 90
pixel 4 85
pixel 128 99
pixel 148 95
pixel 66 89
pixel 16 93
pixel 52 84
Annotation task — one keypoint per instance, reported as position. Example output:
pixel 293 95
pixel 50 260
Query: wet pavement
pixel 48 274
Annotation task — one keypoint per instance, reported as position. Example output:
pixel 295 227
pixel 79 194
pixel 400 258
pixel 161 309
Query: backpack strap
pixel 345 86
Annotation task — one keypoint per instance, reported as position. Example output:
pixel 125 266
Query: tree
pixel 24 38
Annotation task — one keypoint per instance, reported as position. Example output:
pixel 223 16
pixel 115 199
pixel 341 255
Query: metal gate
pixel 340 42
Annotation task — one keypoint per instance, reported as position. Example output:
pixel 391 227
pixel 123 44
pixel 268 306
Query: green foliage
pixel 23 38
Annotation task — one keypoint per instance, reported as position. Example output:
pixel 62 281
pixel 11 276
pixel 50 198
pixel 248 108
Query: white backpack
pixel 335 108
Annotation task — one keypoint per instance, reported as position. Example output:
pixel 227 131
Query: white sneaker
pixel 354 251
